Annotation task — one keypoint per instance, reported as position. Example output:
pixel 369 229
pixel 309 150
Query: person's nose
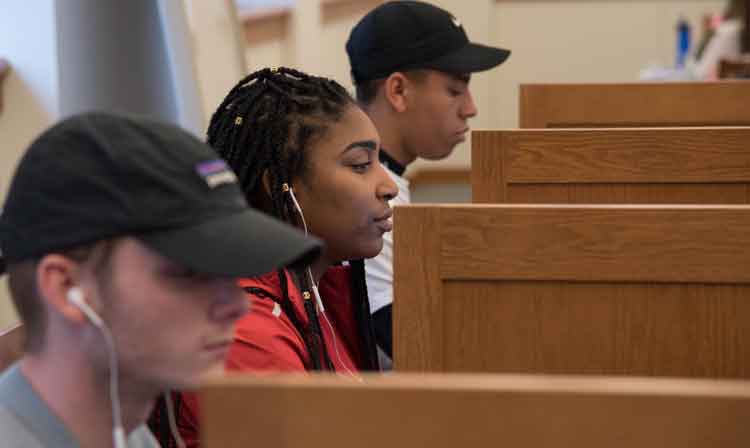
pixel 469 107
pixel 386 188
pixel 230 304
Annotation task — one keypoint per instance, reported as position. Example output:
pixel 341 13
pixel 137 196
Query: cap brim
pixel 244 244
pixel 470 58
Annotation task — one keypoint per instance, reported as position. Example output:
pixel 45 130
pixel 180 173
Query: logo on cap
pixel 215 173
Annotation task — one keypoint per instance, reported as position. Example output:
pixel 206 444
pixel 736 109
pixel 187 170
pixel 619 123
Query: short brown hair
pixel 25 293
pixel 368 90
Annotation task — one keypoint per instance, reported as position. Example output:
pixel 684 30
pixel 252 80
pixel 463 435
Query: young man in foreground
pixel 122 238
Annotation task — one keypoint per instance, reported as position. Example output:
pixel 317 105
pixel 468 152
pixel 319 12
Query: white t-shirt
pixel 379 270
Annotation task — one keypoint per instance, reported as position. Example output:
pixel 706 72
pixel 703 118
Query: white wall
pixel 583 41
pixel 30 93
pixel 219 50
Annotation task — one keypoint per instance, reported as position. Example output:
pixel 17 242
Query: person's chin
pixel 212 372
pixel 186 382
pixel 197 378
pixel 443 153
pixel 373 250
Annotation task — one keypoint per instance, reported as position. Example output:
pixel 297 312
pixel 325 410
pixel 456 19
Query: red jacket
pixel 265 340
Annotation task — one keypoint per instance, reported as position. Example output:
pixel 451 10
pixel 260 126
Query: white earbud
pixel 75 296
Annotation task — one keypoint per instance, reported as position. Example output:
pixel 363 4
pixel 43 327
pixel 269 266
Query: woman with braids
pixel 304 152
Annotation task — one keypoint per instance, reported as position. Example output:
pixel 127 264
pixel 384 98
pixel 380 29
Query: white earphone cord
pixel 316 293
pixel 299 209
pixel 172 422
pixel 118 431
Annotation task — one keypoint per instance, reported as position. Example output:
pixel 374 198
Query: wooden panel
pixel 333 10
pixel 738 67
pixel 487 167
pixel 653 155
pixel 620 290
pixel 480 411
pixel 676 165
pixel 635 105
pixel 596 243
pixel 597 328
pixel 271 24
pixel 628 194
pixel 11 345
pixel 438 176
pixel 418 236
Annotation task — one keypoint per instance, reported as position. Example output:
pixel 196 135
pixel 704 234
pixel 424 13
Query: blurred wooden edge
pixel 11 345
pixel 448 410
pixel 268 24
pixel 332 10
pixel 265 25
pixel 735 68
pixel 439 176
pixel 496 382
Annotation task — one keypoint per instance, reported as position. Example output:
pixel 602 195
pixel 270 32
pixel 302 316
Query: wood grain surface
pixel 480 411
pixel 722 103
pixel 671 165
pixel 599 289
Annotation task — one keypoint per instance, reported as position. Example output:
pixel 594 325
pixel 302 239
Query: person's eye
pixel 455 92
pixel 361 167
pixel 184 273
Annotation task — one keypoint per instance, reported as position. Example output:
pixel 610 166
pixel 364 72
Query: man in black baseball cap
pixel 411 35
pixel 411 63
pixel 123 238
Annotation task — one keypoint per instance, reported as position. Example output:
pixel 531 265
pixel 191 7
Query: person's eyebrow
pixel 370 145
pixel 463 77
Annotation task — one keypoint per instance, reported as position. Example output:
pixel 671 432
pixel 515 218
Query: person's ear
pixel 56 275
pixel 396 90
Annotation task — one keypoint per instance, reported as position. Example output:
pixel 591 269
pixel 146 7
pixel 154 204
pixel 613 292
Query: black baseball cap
pixel 98 176
pixel 410 35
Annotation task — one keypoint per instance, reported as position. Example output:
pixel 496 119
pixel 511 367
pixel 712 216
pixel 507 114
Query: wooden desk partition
pixel 721 103
pixel 735 68
pixel 675 165
pixel 562 289
pixel 405 411
pixel 11 345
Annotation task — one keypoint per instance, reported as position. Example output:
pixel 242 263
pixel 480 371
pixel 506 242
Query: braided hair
pixel 262 128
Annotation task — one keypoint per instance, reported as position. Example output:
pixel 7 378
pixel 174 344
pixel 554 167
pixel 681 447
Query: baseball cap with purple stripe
pixel 98 176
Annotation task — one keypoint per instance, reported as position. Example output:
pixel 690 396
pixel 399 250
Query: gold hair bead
pixel 306 295
pixel 284 187
pixel 238 121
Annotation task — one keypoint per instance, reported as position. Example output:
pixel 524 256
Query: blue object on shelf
pixel 683 42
